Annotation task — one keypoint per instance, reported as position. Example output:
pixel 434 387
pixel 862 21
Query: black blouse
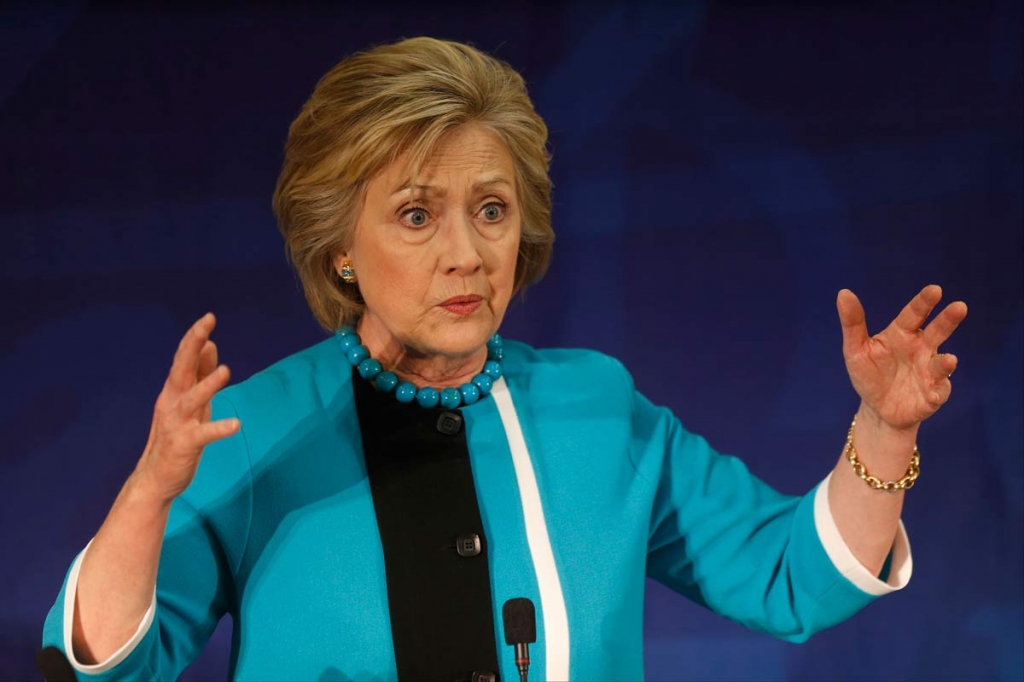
pixel 435 551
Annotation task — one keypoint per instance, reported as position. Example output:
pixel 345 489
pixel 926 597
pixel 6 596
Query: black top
pixel 435 551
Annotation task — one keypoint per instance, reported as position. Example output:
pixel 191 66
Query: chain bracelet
pixel 905 483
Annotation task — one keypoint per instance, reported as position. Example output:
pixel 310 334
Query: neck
pixel 419 368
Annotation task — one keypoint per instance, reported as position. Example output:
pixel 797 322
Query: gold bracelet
pixel 905 483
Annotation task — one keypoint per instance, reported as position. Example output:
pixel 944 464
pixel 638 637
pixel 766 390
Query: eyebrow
pixel 435 190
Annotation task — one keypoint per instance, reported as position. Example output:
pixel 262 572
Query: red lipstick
pixel 462 305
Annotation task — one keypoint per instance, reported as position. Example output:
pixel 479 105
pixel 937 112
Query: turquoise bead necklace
pixel 428 396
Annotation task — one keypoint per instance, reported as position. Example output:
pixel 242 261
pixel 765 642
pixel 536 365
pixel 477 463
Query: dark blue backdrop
pixel 720 172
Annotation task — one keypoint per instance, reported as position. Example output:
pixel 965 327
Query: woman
pixel 364 508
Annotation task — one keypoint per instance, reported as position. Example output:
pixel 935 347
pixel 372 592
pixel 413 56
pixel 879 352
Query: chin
pixel 463 336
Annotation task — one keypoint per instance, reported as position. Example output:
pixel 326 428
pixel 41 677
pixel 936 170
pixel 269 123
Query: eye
pixel 493 211
pixel 415 217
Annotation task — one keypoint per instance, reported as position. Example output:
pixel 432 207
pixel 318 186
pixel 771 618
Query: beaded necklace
pixel 427 396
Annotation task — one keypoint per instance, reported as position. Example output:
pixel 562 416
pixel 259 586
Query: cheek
pixel 505 257
pixel 395 282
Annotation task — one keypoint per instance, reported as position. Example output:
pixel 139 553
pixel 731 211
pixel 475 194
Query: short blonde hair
pixel 367 111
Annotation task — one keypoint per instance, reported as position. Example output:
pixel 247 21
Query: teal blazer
pixel 585 488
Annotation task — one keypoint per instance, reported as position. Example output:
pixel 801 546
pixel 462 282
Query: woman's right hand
pixel 181 419
pixel 118 572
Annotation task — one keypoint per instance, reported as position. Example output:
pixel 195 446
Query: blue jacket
pixel 278 529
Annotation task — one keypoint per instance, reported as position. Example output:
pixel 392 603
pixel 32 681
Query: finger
pixel 204 434
pixel 945 323
pixel 940 393
pixel 200 395
pixel 207 360
pixel 186 359
pixel 852 320
pixel 920 307
pixel 941 366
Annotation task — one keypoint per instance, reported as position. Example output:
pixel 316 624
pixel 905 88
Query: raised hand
pixel 899 373
pixel 181 426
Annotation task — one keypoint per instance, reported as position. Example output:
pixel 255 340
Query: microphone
pixel 54 665
pixel 520 630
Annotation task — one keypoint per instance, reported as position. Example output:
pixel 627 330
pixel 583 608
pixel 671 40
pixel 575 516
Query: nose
pixel 461 253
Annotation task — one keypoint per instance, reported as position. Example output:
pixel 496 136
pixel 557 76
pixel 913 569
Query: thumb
pixel 852 320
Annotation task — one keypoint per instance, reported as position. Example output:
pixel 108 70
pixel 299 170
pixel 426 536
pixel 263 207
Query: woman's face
pixel 436 255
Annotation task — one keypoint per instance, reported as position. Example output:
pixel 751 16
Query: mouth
pixel 462 305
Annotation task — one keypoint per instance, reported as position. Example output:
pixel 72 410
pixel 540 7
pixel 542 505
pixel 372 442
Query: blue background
pixel 721 171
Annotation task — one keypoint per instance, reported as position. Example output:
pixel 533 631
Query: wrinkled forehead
pixel 468 157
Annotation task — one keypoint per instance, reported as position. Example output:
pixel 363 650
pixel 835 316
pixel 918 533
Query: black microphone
pixel 520 630
pixel 54 665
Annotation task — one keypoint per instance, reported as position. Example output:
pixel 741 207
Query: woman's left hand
pixel 899 373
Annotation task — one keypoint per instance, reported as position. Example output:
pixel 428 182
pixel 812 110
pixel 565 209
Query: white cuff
pixel 69 620
pixel 900 567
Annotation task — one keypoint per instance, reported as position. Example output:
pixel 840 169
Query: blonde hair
pixel 367 111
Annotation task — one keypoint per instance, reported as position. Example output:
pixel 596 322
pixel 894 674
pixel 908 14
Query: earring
pixel 348 272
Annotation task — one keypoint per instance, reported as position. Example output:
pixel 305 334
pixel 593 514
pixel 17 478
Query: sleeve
pixel 202 548
pixel 725 539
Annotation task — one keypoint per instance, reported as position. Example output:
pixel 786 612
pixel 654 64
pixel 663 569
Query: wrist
pixel 140 491
pixel 886 451
pixel 869 420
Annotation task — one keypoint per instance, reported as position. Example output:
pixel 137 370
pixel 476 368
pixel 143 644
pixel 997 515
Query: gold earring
pixel 348 272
